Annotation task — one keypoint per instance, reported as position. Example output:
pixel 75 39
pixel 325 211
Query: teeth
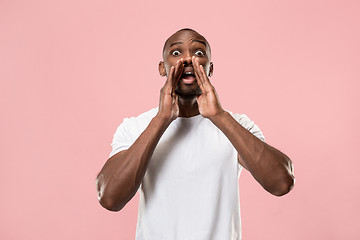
pixel 188 73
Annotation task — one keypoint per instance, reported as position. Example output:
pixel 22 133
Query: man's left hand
pixel 208 101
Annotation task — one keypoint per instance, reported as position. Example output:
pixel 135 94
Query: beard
pixel 187 93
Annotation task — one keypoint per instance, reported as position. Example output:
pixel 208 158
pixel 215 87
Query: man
pixel 185 156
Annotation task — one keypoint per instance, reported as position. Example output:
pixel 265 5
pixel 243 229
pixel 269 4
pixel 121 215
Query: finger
pixel 201 86
pixel 173 76
pixel 205 77
pixel 198 75
pixel 179 71
pixel 197 70
pixel 168 84
pixel 176 70
pixel 202 72
pixel 170 76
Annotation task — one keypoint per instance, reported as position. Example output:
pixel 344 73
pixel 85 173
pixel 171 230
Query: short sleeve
pixel 130 129
pixel 122 138
pixel 244 121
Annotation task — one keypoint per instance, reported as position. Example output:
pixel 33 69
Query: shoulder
pixel 148 114
pixel 248 124
pixel 129 130
pixel 241 118
pixel 143 118
pixel 135 125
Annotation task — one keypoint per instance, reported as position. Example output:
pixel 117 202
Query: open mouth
pixel 188 77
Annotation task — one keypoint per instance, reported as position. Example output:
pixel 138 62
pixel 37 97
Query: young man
pixel 186 155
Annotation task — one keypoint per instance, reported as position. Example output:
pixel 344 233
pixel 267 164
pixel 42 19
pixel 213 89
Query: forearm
pixel 122 174
pixel 271 168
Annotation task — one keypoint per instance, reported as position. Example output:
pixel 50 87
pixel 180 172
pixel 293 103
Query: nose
pixel 187 58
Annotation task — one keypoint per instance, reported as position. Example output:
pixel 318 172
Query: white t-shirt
pixel 190 190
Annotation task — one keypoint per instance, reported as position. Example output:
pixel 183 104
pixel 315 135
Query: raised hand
pixel 168 105
pixel 208 101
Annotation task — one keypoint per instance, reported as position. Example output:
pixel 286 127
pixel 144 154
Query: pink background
pixel 71 70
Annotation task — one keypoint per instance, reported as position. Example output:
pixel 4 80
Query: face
pixel 185 44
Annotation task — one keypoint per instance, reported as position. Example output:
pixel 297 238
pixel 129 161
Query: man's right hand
pixel 168 105
pixel 122 174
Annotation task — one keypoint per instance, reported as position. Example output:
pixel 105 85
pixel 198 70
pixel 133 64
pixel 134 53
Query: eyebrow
pixel 199 41
pixel 175 43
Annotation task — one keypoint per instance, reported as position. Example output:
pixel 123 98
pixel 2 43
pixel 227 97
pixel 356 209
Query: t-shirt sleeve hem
pixel 244 121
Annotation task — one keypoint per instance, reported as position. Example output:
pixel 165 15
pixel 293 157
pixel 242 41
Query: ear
pixel 162 69
pixel 211 69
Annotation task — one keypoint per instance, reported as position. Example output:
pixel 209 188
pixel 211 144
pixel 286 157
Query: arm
pixel 122 174
pixel 271 168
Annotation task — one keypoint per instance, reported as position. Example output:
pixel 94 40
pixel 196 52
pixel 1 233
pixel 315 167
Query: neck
pixel 188 107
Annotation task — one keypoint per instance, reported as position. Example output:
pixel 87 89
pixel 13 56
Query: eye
pixel 199 53
pixel 175 53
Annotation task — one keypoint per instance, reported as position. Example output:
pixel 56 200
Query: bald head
pixel 173 37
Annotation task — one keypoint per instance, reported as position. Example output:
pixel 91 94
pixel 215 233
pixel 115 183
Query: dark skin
pixel 188 51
